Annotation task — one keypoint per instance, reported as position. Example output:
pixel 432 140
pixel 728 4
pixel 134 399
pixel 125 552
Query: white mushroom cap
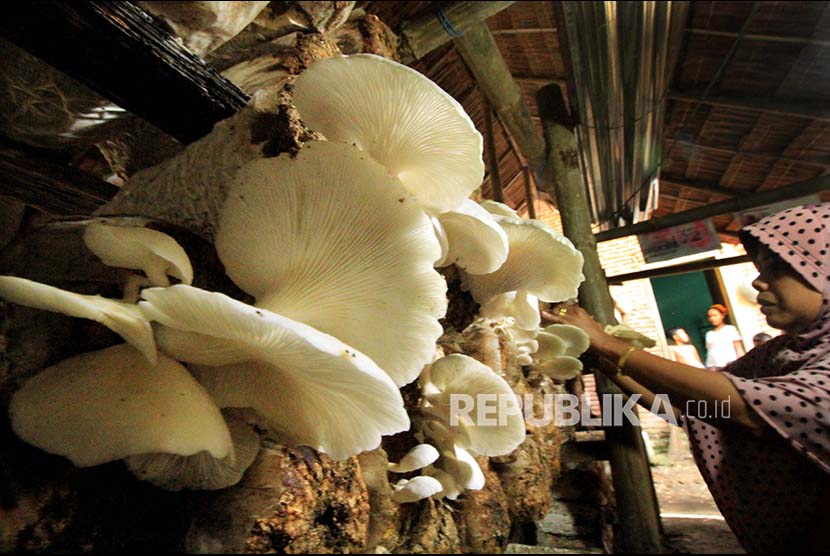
pixel 540 261
pixel 110 404
pixel 552 359
pixel 460 375
pixel 574 340
pixel 331 240
pixel 417 458
pixel 123 319
pixel 401 119
pixel 449 487
pixel 441 236
pixel 412 490
pixel 463 468
pixel 311 388
pixel 476 242
pixel 520 305
pixel 137 248
pixel 200 471
pixel 499 209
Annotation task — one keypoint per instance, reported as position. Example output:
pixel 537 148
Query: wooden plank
pixel 693 266
pixel 35 179
pixel 117 50
pixel 742 202
pixel 492 157
pixel 636 500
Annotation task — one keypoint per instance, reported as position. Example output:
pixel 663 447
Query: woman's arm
pixel 683 384
pixel 739 348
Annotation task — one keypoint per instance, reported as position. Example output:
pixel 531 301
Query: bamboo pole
pixel 821 183
pixel 636 500
pixel 423 35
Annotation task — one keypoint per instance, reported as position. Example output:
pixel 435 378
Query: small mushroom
pixel 417 458
pixel 460 383
pixel 111 404
pixel 575 340
pixel 475 241
pixel 398 117
pixel 521 306
pixel 311 388
pixel 156 253
pixel 551 359
pixel 123 319
pixel 628 334
pixel 407 491
pixel 331 240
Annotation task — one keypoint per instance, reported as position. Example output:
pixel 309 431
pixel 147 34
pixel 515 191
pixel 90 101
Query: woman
pixel 723 343
pixel 768 463
pixel 681 348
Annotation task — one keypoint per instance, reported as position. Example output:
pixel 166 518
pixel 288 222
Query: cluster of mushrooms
pixel 338 246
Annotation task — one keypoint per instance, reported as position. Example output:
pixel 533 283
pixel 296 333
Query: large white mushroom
pixel 121 318
pixel 331 240
pixel 311 388
pixel 540 261
pixel 475 241
pixel 111 404
pixel 398 117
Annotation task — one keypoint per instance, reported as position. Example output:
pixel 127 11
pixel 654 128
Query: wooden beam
pixel 37 180
pixel 693 266
pixel 710 187
pixel 525 31
pixel 799 109
pixel 116 49
pixel 759 37
pixel 636 500
pixel 735 204
pixel 421 36
pixel 539 80
pixel 483 58
pixel 738 152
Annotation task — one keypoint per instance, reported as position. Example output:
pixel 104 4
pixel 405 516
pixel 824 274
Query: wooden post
pixel 492 156
pixel 482 56
pixel 637 509
pixel 423 35
pixel 530 192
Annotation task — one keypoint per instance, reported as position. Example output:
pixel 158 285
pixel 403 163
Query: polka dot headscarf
pixel 773 487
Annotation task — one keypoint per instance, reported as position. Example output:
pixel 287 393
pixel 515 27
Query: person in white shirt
pixel 723 344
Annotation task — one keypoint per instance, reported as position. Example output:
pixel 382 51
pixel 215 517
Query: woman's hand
pixel 573 314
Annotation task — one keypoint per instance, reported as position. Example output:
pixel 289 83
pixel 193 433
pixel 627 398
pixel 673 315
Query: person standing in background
pixel 681 348
pixel 723 344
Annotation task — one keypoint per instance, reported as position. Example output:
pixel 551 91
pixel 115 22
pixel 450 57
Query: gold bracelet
pixel 624 358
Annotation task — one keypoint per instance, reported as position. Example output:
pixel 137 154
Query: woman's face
pixel 715 317
pixel 786 299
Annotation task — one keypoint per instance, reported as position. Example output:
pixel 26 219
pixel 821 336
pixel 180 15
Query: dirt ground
pixel 691 520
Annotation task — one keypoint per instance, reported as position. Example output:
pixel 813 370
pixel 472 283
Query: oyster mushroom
pixel 111 404
pixel 417 458
pixel 331 240
pixel 398 117
pixel 559 347
pixel 411 490
pixel 137 248
pixel 540 262
pixel 121 318
pixel 310 388
pixel 475 241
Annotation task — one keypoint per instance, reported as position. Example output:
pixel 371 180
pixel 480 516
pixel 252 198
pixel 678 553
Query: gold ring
pixel 562 311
